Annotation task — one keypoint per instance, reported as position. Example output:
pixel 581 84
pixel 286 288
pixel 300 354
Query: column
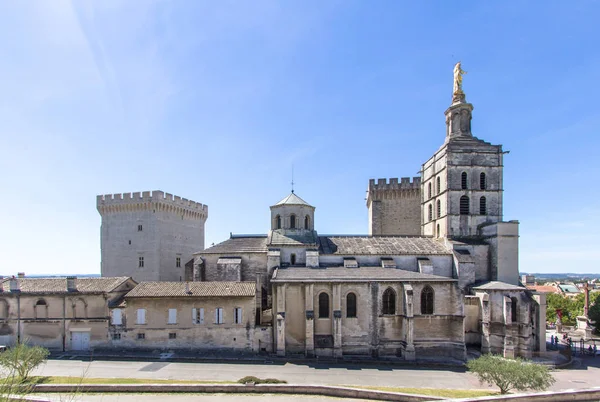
pixel 280 308
pixel 309 341
pixel 373 323
pixel 337 320
pixel 409 352
pixel 484 299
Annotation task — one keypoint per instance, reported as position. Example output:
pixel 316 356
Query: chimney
pixel 187 288
pixel 14 285
pixel 71 284
pixel 21 275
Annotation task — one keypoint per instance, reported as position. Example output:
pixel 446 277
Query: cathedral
pixel 437 274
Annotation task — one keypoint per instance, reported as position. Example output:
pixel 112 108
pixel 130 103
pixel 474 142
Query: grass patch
pixel 79 380
pixel 445 393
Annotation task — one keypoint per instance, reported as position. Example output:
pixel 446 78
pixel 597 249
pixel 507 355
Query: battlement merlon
pixel 150 197
pixel 376 189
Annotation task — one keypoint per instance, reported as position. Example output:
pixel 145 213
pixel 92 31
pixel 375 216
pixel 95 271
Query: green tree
pixel 509 374
pixel 594 313
pixel 21 359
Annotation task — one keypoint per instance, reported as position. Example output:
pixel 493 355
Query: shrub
pixel 21 359
pixel 509 374
pixel 251 379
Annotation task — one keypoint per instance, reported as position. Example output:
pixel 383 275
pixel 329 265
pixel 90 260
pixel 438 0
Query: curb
pixel 321 390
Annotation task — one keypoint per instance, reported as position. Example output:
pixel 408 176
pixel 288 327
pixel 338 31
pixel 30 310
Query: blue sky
pixel 215 101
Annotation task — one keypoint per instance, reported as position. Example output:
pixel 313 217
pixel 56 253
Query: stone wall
pixel 156 226
pixel 189 335
pixel 394 207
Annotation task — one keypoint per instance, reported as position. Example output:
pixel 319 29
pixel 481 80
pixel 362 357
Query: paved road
pixel 585 373
pixel 292 373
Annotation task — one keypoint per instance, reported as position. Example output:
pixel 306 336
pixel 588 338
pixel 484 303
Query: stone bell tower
pixel 461 187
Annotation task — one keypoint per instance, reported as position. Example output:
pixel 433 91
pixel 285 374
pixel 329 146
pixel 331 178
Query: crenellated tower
pixel 394 207
pixel 149 235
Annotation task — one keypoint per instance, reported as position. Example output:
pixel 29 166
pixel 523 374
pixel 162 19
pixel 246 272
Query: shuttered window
pixel 237 315
pixel 198 315
pixel 141 316
pixel 218 315
pixel 172 316
pixel 116 317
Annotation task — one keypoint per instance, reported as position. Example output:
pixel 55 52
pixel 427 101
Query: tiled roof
pixel 543 289
pixel 239 244
pixel 59 285
pixel 196 289
pixel 362 274
pixel 293 199
pixel 497 285
pixel 302 238
pixel 384 245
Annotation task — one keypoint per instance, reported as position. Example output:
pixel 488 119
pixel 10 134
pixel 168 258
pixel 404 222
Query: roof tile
pixel 196 289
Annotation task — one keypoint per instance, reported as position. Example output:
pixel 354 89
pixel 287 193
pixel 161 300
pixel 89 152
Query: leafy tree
pixel 509 374
pixel 594 313
pixel 21 359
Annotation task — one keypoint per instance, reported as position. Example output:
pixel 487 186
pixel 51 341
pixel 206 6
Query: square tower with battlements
pixel 149 236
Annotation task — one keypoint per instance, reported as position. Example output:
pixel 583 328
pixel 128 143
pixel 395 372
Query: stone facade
pixel 193 318
pixel 59 314
pixel 394 207
pixel 149 235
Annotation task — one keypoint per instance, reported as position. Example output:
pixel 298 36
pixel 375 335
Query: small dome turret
pixel 292 213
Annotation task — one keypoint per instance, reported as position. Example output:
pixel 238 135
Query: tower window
pixel 439 208
pixel 464 205
pixel 429 190
pixel 463 180
pixel 514 312
pixel 430 212
pixel 306 222
pixel 439 184
pixel 482 181
pixel 278 222
pixel 323 305
pixel 178 262
pixel 438 230
pixel 388 302
pixel 482 206
pixel 140 228
pixel 141 262
pixel 351 305
pixel 293 222
pixel 293 259
pixel 427 300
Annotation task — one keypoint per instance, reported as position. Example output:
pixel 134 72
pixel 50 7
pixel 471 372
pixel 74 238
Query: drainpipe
pixel 64 320
pixel 18 318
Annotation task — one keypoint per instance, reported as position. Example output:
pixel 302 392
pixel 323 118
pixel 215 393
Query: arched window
pixel 429 190
pixel 427 300
pixel 323 305
pixel 293 222
pixel 351 305
pixel 482 181
pixel 306 222
pixel 463 180
pixel 464 205
pixel 430 212
pixel 3 309
pixel 79 309
pixel 278 222
pixel 388 302
pixel 514 312
pixel 482 206
pixel 439 185
pixel 40 309
pixel 439 208
pixel 438 230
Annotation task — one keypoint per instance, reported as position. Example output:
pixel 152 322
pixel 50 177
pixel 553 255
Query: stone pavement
pixel 197 398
